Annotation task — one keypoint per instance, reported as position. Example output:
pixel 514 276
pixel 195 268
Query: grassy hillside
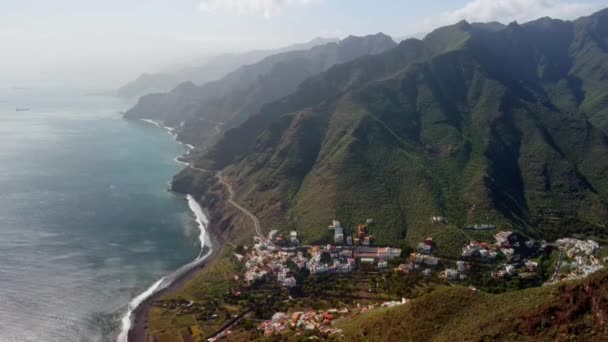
pixel 577 310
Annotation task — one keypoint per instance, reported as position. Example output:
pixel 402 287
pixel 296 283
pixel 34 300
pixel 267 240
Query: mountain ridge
pixel 211 69
pixel 479 126
pixel 201 113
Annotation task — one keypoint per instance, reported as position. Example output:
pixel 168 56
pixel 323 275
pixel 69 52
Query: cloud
pixel 268 8
pixel 506 11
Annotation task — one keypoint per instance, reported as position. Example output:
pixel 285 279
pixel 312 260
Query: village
pixel 278 259
pixel 267 260
pixel 306 279
pixel 577 259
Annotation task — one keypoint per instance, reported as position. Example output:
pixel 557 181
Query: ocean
pixel 86 221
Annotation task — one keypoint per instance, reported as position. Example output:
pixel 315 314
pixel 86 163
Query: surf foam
pixel 133 304
pixel 201 221
pixel 155 123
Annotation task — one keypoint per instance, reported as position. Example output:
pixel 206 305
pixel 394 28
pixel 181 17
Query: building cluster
pixel 514 246
pixel 576 260
pixel 580 259
pixel 577 247
pixel 423 259
pixel 339 261
pixel 321 320
pixel 361 237
pixel 426 247
pixel 265 260
pixel 481 250
pixel 280 239
pixel 504 270
pixel 310 320
pixel 270 261
pixel 459 273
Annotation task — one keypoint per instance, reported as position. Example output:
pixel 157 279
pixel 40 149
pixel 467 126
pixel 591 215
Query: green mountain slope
pixel 201 113
pixel 578 310
pixel 501 126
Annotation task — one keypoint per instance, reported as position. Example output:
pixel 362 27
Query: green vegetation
pixel 575 310
pixel 478 124
pixel 210 290
pixel 470 124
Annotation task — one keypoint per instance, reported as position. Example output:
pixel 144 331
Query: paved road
pixel 222 179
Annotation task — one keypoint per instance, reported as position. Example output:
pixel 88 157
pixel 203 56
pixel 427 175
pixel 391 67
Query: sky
pixel 106 43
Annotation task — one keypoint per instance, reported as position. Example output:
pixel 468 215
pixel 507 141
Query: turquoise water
pixel 86 221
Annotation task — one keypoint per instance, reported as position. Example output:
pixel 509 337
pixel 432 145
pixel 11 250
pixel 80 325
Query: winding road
pixel 222 180
pixel 258 231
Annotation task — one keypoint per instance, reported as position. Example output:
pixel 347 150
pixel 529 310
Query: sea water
pixel 86 221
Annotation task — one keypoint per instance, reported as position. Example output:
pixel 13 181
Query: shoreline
pixel 134 322
pixel 135 319
pixel 139 316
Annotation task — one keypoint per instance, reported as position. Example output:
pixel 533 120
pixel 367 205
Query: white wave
pixel 177 160
pixel 170 130
pixel 155 123
pixel 202 223
pixel 201 220
pixel 126 320
pixel 164 282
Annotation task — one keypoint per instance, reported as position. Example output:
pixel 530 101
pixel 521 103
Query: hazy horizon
pixel 105 44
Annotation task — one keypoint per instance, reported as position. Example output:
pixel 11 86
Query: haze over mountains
pixel 211 69
pixel 201 113
pixel 481 123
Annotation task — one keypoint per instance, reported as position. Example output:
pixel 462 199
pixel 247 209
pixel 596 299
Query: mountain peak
pixel 513 25
pixel 449 37
pixel 463 24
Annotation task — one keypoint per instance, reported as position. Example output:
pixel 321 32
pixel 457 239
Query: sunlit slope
pixel 480 126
